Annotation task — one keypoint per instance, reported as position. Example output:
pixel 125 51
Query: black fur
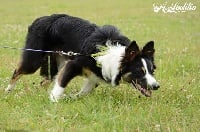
pixel 60 32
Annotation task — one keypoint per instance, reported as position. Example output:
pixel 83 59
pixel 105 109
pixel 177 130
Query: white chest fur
pixel 110 62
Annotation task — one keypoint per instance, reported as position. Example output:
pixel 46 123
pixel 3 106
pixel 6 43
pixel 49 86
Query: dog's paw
pixel 74 96
pixel 45 82
pixel 54 98
pixel 9 88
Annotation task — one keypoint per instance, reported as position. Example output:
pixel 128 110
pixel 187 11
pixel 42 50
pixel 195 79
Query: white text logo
pixel 174 7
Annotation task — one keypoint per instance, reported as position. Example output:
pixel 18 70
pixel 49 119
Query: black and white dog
pixel 115 56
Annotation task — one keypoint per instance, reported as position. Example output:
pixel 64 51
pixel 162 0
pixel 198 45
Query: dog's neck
pixel 110 63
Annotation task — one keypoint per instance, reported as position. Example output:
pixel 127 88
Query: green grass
pixel 174 107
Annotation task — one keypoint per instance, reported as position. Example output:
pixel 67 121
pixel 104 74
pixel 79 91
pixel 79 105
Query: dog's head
pixel 137 67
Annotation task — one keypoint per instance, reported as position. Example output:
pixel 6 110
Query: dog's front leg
pixel 56 92
pixel 67 73
pixel 89 85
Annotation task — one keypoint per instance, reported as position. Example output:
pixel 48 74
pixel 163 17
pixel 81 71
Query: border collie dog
pixel 102 53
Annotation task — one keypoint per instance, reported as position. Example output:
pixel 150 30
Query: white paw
pixel 54 98
pixel 56 93
pixel 9 88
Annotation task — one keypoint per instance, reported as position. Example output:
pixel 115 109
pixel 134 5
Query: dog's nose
pixel 155 86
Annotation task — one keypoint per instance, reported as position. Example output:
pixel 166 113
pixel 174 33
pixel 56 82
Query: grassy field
pixel 174 107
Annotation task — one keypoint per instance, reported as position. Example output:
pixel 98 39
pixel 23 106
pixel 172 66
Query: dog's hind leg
pixel 16 75
pixel 30 63
pixel 48 69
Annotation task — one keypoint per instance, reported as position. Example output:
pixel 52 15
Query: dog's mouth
pixel 144 91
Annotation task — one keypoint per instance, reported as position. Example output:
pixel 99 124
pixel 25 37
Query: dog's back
pixel 60 32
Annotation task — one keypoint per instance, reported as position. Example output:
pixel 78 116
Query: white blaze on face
pixel 150 79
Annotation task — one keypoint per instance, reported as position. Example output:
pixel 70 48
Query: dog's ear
pixel 131 51
pixel 148 50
